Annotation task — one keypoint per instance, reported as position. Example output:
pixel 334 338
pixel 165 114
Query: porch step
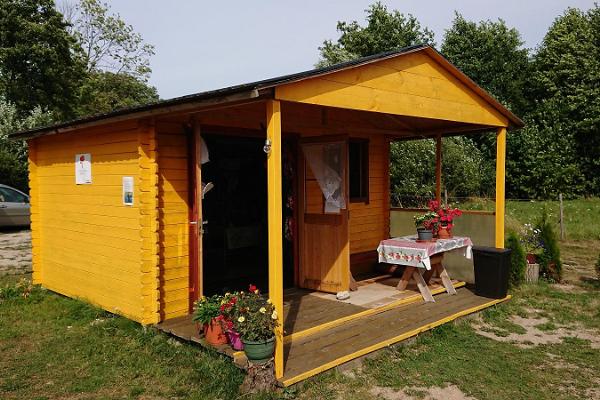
pixel 312 354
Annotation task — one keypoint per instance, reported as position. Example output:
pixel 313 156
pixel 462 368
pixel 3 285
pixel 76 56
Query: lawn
pixel 582 216
pixel 543 344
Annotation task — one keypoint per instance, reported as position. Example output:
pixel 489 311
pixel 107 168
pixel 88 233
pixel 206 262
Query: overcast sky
pixel 202 45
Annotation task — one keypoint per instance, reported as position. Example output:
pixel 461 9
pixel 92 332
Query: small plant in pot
pixel 426 224
pixel 229 312
pixel 206 313
pixel 256 322
pixel 445 218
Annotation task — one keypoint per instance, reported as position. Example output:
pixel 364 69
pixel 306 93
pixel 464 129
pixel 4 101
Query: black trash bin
pixel 491 271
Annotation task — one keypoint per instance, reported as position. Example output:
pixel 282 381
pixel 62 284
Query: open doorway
pixel 234 212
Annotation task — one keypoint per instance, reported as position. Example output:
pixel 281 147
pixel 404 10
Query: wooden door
pixel 324 249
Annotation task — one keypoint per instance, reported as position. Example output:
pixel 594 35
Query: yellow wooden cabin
pixel 117 209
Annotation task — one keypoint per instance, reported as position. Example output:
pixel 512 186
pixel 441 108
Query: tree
pixel 384 31
pixel 104 92
pixel 38 67
pixel 13 154
pixel 412 170
pixel 491 54
pixel 566 84
pixel 107 43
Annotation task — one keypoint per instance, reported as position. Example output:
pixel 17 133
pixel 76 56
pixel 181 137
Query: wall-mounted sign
pixel 128 190
pixel 83 169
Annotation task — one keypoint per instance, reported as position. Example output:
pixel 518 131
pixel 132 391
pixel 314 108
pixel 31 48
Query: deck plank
pixel 325 347
pixel 304 310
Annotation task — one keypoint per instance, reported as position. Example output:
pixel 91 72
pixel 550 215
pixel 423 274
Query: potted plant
pixel 531 241
pixel 426 225
pixel 445 216
pixel 206 313
pixel 256 322
pixel 229 311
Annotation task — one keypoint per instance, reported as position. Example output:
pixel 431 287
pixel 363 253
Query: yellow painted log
pixel 500 182
pixel 275 225
pixel 438 168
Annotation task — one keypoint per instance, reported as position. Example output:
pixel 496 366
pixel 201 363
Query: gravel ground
pixel 15 252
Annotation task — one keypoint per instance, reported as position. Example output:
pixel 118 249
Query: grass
pixel 582 216
pixel 58 348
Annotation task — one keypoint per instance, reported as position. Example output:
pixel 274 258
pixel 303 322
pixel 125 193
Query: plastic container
pixel 491 271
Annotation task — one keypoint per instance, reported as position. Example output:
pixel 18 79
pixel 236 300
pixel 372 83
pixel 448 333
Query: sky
pixel 202 45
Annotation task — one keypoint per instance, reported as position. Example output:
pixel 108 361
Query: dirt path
pixel 15 252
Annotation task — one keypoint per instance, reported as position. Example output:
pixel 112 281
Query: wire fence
pixel 467 203
pixel 525 214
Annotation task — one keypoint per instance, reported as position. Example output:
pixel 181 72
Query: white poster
pixel 83 169
pixel 128 190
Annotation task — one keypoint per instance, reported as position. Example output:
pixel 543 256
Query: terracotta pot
pixel 444 233
pixel 214 333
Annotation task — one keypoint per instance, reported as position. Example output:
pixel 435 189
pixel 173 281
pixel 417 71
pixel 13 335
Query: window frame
pixel 364 171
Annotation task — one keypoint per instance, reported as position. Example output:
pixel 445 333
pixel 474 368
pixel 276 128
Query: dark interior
pixel 235 241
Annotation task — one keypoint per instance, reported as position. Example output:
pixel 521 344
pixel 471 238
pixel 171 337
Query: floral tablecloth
pixel 406 250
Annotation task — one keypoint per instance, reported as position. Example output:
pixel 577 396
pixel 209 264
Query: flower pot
pixel 531 258
pixel 444 233
pixel 424 234
pixel 532 273
pixel 214 333
pixel 235 340
pixel 259 352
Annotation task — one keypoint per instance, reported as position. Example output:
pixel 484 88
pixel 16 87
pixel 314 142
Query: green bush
pixel 518 260
pixel 549 259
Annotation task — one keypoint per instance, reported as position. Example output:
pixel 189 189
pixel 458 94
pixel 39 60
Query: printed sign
pixel 83 169
pixel 128 190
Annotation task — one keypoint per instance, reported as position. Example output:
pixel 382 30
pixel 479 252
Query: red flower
pixel 252 288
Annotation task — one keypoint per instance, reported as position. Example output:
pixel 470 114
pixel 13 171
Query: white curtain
pixel 327 163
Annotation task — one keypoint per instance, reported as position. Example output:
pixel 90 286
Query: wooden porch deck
pixel 321 333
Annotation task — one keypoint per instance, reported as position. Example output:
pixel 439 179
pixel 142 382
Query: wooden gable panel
pixel 411 85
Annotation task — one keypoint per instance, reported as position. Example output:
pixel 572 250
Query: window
pixel 11 196
pixel 358 160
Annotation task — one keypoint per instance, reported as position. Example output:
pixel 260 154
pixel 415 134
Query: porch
pixel 321 333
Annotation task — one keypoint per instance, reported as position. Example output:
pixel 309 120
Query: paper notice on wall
pixel 128 190
pixel 83 169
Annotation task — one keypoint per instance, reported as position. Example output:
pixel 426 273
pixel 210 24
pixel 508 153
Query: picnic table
pixel 422 260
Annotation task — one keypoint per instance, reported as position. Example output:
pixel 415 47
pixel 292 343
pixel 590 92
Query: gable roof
pixel 255 89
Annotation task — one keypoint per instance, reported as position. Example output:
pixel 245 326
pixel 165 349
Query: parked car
pixel 14 207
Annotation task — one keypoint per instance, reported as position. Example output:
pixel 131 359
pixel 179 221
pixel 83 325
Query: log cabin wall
pixel 173 183
pixel 86 243
pixel 369 222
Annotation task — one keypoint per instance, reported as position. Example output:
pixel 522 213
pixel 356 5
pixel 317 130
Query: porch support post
pixel 438 169
pixel 500 181
pixel 275 225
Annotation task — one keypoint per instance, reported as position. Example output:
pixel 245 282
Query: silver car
pixel 14 207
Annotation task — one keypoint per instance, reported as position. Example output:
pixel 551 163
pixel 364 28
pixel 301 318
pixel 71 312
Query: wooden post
pixel 562 217
pixel 500 182
pixel 196 221
pixel 275 225
pixel 438 169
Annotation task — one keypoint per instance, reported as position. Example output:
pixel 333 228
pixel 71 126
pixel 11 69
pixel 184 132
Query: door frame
pixel 195 215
